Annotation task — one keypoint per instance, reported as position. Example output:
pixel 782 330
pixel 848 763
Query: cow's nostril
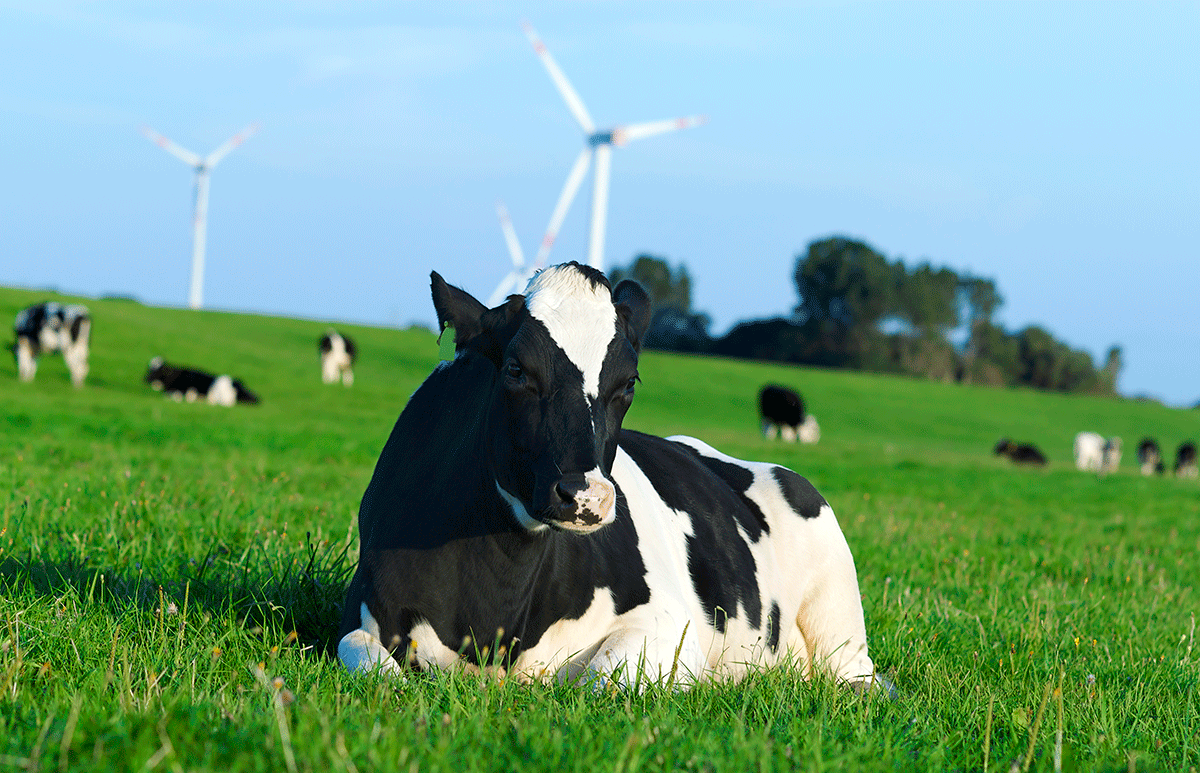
pixel 568 486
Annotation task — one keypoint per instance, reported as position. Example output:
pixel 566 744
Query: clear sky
pixel 1050 146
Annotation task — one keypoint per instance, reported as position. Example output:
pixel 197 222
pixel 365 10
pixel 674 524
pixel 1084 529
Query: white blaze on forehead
pixel 580 316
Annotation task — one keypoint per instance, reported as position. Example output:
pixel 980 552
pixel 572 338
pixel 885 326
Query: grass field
pixel 171 576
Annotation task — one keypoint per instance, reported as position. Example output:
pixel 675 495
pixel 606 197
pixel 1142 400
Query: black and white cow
pixel 1096 453
pixel 512 523
pixel 1150 457
pixel 338 354
pixel 52 327
pixel 1020 453
pixel 191 385
pixel 1185 460
pixel 782 409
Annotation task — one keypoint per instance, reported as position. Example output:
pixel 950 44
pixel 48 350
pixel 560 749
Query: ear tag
pixel 446 342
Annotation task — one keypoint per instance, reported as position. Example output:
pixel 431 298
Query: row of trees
pixel 859 310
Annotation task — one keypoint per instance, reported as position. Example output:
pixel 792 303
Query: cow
pixel 52 327
pixel 1185 460
pixel 512 525
pixel 338 354
pixel 1149 457
pixel 1095 453
pixel 782 409
pixel 1020 453
pixel 188 384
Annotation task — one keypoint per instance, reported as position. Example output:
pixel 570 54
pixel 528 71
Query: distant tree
pixel 674 326
pixel 928 298
pixel 981 299
pixel 846 282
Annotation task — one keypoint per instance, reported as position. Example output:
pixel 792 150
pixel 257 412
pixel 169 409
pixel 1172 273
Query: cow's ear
pixel 497 327
pixel 456 307
pixel 633 305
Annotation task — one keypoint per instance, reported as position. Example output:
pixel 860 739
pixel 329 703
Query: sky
pixel 1049 146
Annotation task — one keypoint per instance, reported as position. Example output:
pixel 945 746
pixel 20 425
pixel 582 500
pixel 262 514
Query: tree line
pixel 859 310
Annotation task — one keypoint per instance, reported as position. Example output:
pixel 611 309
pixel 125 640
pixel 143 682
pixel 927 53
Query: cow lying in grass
pixel 188 384
pixel 512 523
pixel 1020 453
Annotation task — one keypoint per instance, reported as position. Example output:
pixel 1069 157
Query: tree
pixel 668 288
pixel 846 282
pixel 928 298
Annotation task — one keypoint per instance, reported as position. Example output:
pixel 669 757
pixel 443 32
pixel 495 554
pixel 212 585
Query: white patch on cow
pixel 810 431
pixel 336 363
pixel 361 650
pixel 581 318
pixel 769 429
pixel 788 433
pixel 553 656
pixel 522 516
pixel 26 362
pixel 429 651
pixel 222 392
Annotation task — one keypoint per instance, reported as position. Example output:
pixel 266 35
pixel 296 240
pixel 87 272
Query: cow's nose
pixel 566 489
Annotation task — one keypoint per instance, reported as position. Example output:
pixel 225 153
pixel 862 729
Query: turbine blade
pixel 599 207
pixel 510 237
pixel 509 284
pixel 569 95
pixel 639 131
pixel 574 178
pixel 230 144
pixel 181 153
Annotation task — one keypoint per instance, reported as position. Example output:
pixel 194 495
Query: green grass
pixel 163 564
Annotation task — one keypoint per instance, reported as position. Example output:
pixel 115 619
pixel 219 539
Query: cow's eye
pixel 513 372
pixel 630 384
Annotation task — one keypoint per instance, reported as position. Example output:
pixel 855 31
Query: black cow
pixel 191 385
pixel 1020 453
pixel 1185 460
pixel 1150 457
pixel 782 409
pixel 511 522
pixel 52 327
pixel 338 354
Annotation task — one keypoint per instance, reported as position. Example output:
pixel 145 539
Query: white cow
pixel 1094 453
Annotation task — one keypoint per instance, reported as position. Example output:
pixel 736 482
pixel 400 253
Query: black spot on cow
pixel 740 479
pixel 799 493
pixel 773 622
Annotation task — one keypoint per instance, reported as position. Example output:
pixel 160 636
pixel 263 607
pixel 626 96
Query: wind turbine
pixel 599 144
pixel 203 166
pixel 520 273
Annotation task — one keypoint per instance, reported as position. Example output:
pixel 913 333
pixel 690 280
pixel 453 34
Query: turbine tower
pixel 203 166
pixel 599 143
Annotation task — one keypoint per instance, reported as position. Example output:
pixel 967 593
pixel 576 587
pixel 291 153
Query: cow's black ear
pixel 456 307
pixel 633 304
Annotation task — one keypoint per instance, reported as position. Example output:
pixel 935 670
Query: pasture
pixel 171 575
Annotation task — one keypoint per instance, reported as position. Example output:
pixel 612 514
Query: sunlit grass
pixel 171 576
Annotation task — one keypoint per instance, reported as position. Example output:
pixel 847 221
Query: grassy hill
pixel 160 563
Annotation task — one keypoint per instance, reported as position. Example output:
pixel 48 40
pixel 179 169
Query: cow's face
pixel 566 359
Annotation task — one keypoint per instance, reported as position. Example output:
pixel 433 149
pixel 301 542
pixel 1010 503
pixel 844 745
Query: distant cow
pixel 337 357
pixel 1150 457
pixel 1185 460
pixel 52 327
pixel 512 523
pixel 1020 453
pixel 191 385
pixel 782 409
pixel 1094 453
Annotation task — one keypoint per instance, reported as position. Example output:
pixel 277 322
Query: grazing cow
pixel 1020 453
pixel 782 409
pixel 191 385
pixel 1185 460
pixel 1150 457
pixel 338 353
pixel 1094 453
pixel 52 327
pixel 511 522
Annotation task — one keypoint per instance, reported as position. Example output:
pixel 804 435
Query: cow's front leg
pixel 637 657
pixel 361 651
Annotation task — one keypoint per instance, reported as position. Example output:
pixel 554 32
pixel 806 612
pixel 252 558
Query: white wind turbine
pixel 600 144
pixel 516 279
pixel 203 166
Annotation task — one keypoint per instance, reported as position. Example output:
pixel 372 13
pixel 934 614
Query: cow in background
pixel 188 384
pixel 1185 460
pixel 1020 453
pixel 1095 453
pixel 782 409
pixel 338 354
pixel 1150 457
pixel 52 327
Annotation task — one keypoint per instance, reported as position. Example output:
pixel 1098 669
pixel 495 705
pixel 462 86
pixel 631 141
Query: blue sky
pixel 1051 146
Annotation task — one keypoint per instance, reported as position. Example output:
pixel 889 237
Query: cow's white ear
pixel 456 307
pixel 633 304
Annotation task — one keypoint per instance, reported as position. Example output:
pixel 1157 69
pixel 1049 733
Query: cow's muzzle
pixel 583 503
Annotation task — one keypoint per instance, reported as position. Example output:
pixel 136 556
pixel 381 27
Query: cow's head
pixel 565 357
